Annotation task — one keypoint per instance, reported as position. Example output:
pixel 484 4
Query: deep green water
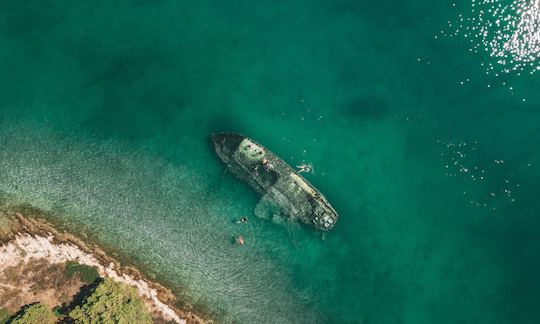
pixel 429 155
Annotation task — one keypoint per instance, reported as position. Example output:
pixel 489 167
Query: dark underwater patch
pixel 366 108
pixel 27 18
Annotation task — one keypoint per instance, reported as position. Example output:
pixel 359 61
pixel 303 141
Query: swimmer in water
pixel 304 168
pixel 240 240
pixel 242 220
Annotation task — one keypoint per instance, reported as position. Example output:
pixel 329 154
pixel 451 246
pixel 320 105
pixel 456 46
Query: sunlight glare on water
pixel 508 30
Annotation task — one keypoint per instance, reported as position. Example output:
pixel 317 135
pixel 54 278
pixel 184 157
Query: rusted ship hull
pixel 276 181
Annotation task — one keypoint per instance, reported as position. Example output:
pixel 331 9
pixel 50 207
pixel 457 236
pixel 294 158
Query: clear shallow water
pixel 106 111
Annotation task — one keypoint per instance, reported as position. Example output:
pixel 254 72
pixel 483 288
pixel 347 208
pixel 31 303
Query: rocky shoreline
pixel 24 239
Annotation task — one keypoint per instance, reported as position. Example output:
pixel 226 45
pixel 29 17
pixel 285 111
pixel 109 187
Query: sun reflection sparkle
pixel 508 30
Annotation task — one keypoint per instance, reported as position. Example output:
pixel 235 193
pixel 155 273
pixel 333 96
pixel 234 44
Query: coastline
pixel 24 239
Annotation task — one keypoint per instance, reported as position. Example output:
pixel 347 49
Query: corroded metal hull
pixel 279 184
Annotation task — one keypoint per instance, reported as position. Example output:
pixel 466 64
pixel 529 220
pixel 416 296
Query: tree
pixel 35 313
pixel 111 302
pixel 87 273
pixel 4 316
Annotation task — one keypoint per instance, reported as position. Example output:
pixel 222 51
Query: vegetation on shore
pixel 34 313
pixel 111 302
pixel 98 301
pixel 62 285
pixel 4 315
pixel 87 273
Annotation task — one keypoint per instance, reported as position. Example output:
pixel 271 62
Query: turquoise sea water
pixel 421 120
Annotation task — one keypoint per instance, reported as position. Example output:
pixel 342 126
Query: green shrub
pixel 57 311
pixel 4 316
pixel 88 274
pixel 111 302
pixel 35 313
